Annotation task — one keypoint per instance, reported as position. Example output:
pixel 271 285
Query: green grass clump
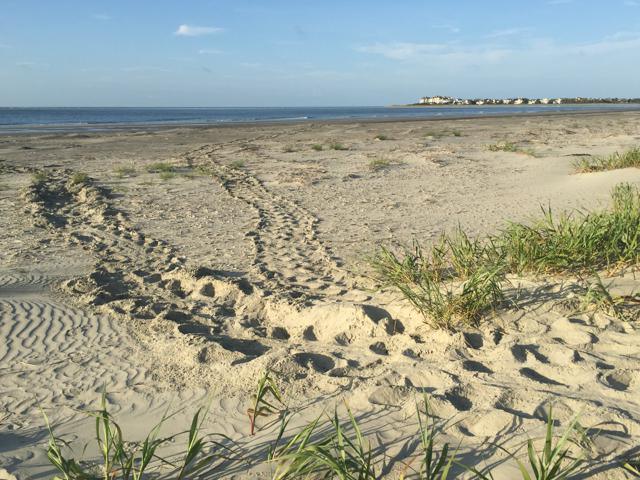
pixel 237 164
pixel 378 164
pixel 165 176
pixel 577 242
pixel 39 177
pixel 337 146
pixel 123 172
pixel 317 147
pixel 121 459
pixel 382 137
pixel 443 302
pixel 342 452
pixel 630 158
pixel 555 461
pixel 79 178
pixel 160 167
pixel 503 146
pixel 458 279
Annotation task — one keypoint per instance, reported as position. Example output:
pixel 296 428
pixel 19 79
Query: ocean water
pixel 13 120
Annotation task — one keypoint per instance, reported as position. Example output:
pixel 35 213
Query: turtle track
pixel 289 257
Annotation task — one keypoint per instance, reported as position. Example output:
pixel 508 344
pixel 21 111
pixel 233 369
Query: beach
pixel 173 266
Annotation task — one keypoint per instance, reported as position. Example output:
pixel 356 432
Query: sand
pixel 177 292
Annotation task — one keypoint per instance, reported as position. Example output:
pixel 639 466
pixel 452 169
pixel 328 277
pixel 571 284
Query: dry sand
pixel 177 292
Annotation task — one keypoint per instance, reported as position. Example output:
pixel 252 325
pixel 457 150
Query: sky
pixel 209 53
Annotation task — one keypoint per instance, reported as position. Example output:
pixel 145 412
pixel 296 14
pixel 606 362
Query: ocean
pixel 16 120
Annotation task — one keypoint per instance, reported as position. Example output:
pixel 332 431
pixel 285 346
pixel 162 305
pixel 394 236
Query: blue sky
pixel 320 52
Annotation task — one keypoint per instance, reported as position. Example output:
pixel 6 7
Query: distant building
pixel 557 101
pixel 545 101
pixel 518 101
pixel 437 100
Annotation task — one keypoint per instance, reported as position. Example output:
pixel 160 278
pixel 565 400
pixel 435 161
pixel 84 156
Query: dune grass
pixel 123 171
pixel 457 279
pixel 506 146
pixel 630 158
pixel 382 137
pixel 328 447
pixel 338 146
pixel 378 164
pixel 317 147
pixel 237 164
pixel 79 178
pixel 160 167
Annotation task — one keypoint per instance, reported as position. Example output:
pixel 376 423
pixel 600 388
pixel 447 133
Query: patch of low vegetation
pixel 160 167
pixel 167 175
pixel 628 159
pixel 337 146
pixel 39 177
pixel 317 147
pixel 328 447
pixel 124 172
pixel 378 164
pixel 458 279
pixel 442 133
pixel 505 146
pixel 237 164
pixel 382 137
pixel 79 178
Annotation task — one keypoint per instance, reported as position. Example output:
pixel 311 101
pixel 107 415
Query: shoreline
pixel 133 127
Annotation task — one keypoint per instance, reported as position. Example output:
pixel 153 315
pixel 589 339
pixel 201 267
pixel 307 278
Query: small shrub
pixel 167 175
pixel 317 147
pixel 79 178
pixel 503 146
pixel 456 133
pixel 39 177
pixel 378 164
pixel 630 158
pixel 337 146
pixel 123 172
pixel 160 167
pixel 381 137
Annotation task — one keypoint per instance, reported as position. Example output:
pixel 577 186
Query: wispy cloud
pixel 195 31
pixel 210 51
pixel 508 32
pixel 632 3
pixel 456 54
pixel 447 26
pixel 101 16
pixel 416 51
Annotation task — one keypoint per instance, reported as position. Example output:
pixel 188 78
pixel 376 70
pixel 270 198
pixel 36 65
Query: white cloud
pixel 507 32
pixel 446 26
pixel 435 51
pixel 210 51
pixel 458 54
pixel 194 31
